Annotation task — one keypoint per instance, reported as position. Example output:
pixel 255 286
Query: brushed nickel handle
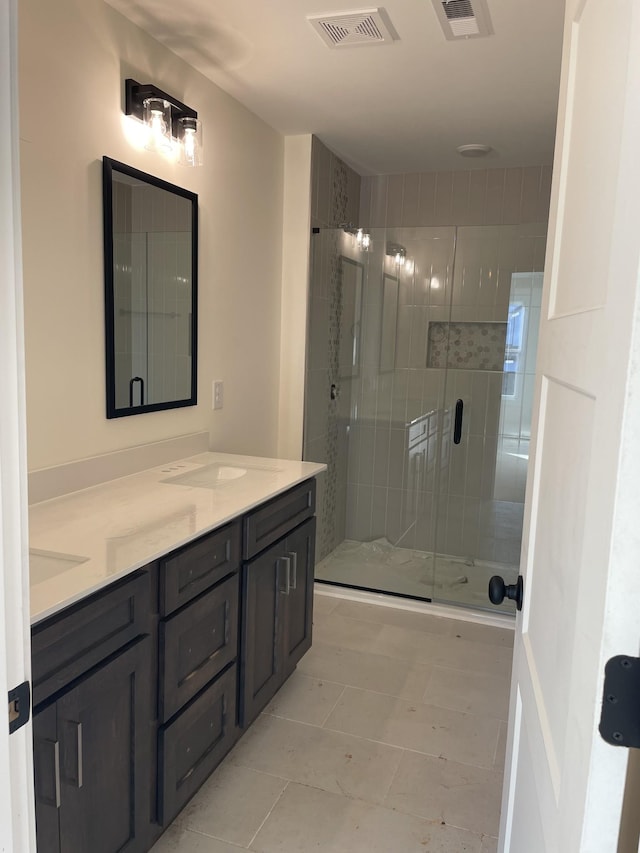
pixel 287 566
pixel 76 780
pixel 40 745
pixel 79 753
pixel 293 555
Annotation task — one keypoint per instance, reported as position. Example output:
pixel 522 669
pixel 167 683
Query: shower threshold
pixel 380 566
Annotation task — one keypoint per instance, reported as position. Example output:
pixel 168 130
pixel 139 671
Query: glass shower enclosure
pixel 419 384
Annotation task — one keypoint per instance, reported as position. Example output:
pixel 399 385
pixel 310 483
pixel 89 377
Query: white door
pixel 581 547
pixel 17 825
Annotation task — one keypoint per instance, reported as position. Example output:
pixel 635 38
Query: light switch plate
pixel 218 394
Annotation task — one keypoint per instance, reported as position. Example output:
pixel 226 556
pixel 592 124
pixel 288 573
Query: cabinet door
pixel 102 727
pixel 264 593
pixel 298 602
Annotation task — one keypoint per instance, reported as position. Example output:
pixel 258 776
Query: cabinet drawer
pixel 276 518
pixel 195 743
pixel 65 647
pixel 196 644
pixel 191 570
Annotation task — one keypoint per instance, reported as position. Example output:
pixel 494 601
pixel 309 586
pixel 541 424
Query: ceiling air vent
pixel 353 29
pixel 463 19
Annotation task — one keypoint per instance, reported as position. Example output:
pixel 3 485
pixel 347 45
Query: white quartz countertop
pixel 83 541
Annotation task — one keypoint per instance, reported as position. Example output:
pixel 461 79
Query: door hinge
pixel 19 706
pixel 620 717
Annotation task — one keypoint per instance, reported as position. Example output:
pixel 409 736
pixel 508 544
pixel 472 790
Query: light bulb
pixel 157 117
pixel 190 141
pixel 366 241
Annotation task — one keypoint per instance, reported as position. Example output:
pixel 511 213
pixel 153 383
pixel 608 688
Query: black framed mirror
pixel 151 288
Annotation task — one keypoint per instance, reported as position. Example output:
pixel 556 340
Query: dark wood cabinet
pixel 91 760
pixel 141 689
pixel 277 616
pixel 298 602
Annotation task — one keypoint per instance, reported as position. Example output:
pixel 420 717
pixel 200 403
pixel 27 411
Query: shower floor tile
pixel 383 567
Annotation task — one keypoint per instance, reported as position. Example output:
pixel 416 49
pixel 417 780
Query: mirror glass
pixel 151 259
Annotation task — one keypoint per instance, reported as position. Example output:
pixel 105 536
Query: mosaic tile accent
pixel 339 192
pixel 467 346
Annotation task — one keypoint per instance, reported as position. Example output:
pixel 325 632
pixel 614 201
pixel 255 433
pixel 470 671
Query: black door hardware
pixel 334 392
pixel 19 706
pixel 457 424
pixel 620 716
pixel 498 591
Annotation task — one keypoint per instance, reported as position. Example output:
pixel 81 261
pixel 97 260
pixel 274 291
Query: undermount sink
pixel 208 477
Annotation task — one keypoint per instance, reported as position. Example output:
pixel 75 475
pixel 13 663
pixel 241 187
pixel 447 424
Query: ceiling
pixel 400 107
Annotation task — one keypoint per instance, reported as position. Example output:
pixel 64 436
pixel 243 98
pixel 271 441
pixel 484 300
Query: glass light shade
pixel 190 136
pixel 157 117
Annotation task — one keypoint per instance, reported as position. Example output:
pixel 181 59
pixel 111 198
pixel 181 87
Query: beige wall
pixel 295 291
pixel 74 56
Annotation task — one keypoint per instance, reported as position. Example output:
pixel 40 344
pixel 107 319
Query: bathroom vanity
pixel 150 659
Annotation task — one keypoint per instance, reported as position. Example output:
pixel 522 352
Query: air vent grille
pixel 353 29
pixel 463 19
pixel 458 9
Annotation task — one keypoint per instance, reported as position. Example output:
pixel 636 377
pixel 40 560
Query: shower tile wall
pixel 480 197
pixel 335 199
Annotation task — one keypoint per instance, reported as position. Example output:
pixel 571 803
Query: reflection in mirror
pixel 150 243
pixel 389 323
pixel 351 294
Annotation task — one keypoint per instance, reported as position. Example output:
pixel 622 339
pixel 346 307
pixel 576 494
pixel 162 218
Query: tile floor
pixel 388 738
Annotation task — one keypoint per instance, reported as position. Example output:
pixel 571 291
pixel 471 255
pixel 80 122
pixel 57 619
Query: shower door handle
pixel 457 424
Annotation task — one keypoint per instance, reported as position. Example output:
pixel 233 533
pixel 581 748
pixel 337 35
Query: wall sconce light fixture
pixel 168 120
pixel 397 252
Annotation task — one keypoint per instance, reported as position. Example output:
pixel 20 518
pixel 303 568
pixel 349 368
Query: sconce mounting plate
pixel 136 93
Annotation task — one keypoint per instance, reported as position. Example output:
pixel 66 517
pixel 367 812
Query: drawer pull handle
pixel 76 780
pixel 80 762
pixel 287 566
pixel 227 622
pixel 293 555
pixel 39 744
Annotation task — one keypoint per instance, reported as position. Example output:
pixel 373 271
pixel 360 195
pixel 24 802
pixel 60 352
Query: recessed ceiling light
pixel 474 149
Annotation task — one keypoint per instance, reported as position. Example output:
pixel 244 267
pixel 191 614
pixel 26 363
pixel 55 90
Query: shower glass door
pixel 490 354
pixel 381 436
pixel 427 322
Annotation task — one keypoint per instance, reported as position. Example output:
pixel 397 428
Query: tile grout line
pixel 489 767
pixel 335 705
pixel 503 723
pixel 268 815
pixel 368 740
pixel 418 701
pixel 212 837
pixel 393 778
